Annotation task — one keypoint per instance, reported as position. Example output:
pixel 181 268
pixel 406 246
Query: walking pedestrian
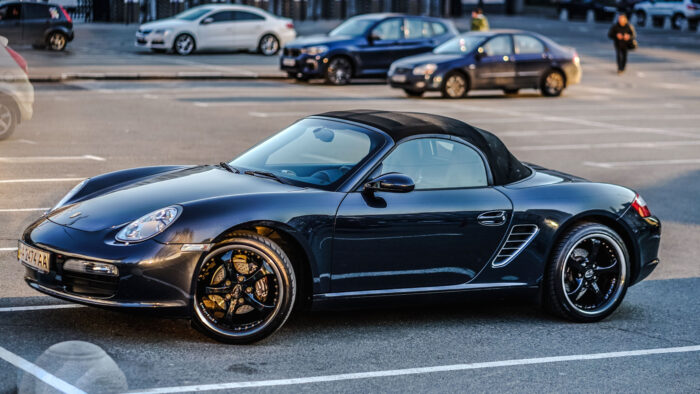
pixel 623 35
pixel 479 21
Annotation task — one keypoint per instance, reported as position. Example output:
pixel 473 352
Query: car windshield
pixel 192 14
pixel 352 27
pixel 460 45
pixel 312 152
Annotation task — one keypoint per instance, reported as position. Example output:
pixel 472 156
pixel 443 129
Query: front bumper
pixel 403 78
pixel 153 40
pixel 295 62
pixel 151 274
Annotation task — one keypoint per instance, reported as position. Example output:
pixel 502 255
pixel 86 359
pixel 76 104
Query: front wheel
pixel 587 277
pixel 8 118
pixel 269 45
pixel 677 21
pixel 552 83
pixel 244 289
pixel 57 41
pixel 339 71
pixel 455 85
pixel 184 44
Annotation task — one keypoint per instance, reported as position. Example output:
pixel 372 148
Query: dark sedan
pixel 363 46
pixel 343 209
pixel 509 60
pixel 38 24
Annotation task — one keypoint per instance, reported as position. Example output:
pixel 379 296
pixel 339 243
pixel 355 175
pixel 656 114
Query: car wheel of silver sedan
pixel 269 45
pixel 184 44
pixel 455 85
pixel 8 118
pixel 244 289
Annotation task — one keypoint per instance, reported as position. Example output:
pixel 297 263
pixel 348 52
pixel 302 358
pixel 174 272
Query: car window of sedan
pixel 527 44
pixel 439 28
pixel 416 28
pixel 388 30
pixel 222 16
pixel 498 46
pixel 247 16
pixel 10 12
pixel 436 163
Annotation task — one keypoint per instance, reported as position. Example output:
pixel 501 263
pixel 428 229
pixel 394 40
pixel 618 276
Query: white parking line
pixel 40 159
pixel 8 249
pixel 418 371
pixel 615 164
pixel 610 145
pixel 39 307
pixel 22 209
pixel 39 373
pixel 30 180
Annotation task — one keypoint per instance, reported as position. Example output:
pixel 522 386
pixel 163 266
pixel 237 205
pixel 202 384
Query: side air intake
pixel 518 238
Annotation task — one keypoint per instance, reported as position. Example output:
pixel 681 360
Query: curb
pixel 153 76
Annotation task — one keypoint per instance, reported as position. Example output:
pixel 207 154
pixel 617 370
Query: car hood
pixel 320 39
pixel 130 202
pixel 169 23
pixel 412 61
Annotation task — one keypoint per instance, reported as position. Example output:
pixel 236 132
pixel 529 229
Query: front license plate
pixel 33 257
pixel 398 78
pixel 289 62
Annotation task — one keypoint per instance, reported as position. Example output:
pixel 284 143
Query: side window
pixel 247 16
pixel 10 12
pixel 416 28
pixel 498 46
pixel 35 11
pixel 439 29
pixel 527 44
pixel 436 163
pixel 388 30
pixel 223 16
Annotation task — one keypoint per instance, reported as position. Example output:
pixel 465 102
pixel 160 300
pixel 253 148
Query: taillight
pixel 65 13
pixel 693 6
pixel 290 25
pixel 639 205
pixel 19 60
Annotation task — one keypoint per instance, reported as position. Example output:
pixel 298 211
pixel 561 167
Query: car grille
pixel 518 238
pixel 293 52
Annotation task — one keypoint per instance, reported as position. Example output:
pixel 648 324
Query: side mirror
pixel 372 38
pixel 207 21
pixel 479 54
pixel 392 182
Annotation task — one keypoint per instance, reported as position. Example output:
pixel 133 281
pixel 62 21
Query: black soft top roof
pixel 399 125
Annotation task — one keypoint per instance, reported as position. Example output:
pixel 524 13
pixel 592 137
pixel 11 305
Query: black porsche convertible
pixel 337 210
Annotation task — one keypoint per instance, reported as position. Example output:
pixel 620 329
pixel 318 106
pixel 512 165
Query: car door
pixel 35 21
pixel 418 37
pixel 248 28
pixel 429 237
pixel 495 67
pixel 382 46
pixel 216 31
pixel 11 22
pixel 531 60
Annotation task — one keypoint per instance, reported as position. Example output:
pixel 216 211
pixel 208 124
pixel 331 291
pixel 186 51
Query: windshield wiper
pixel 266 174
pixel 228 168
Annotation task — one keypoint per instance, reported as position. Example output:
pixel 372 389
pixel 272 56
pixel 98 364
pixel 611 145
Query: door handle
pixel 492 218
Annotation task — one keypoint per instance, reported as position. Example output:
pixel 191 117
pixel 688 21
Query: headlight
pixel 69 195
pixel 425 69
pixel 317 50
pixel 149 225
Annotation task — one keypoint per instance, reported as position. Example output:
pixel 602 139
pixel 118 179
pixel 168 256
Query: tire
pixel 339 71
pixel 269 45
pixel 8 117
pixel 583 282
pixel 553 83
pixel 641 18
pixel 57 41
pixel 184 44
pixel 510 92
pixel 677 21
pixel 239 310
pixel 413 93
pixel 455 85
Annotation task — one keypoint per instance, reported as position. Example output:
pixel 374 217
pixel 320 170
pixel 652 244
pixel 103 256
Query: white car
pixel 16 92
pixel 677 10
pixel 217 27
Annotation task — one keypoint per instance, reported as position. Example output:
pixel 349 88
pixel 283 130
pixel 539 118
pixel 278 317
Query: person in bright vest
pixel 479 21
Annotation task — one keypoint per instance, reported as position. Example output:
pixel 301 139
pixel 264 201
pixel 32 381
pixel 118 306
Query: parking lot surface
pixel 639 130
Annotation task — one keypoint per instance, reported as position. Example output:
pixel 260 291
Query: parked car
pixel 501 59
pixel 364 45
pixel 603 10
pixel 217 27
pixel 38 24
pixel 343 209
pixel 677 10
pixel 16 92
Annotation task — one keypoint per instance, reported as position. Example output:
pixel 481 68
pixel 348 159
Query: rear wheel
pixel 244 289
pixel 677 21
pixel 587 277
pixel 413 93
pixel 455 85
pixel 552 83
pixel 57 41
pixel 339 71
pixel 184 44
pixel 269 45
pixel 8 118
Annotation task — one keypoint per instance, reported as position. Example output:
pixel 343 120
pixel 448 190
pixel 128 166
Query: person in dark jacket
pixel 623 35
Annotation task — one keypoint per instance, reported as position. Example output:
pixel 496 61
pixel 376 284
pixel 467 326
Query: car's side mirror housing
pixel 372 38
pixel 479 54
pixel 392 182
pixel 207 21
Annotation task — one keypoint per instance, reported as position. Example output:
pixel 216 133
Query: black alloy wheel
pixel 588 275
pixel 269 45
pixel 455 85
pixel 57 41
pixel 553 83
pixel 184 44
pixel 339 71
pixel 413 93
pixel 244 289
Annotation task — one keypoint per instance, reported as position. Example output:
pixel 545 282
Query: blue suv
pixel 364 45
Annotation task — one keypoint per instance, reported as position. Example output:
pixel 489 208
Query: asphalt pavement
pixel 639 130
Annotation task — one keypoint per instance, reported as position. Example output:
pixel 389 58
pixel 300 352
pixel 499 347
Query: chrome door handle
pixel 492 218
